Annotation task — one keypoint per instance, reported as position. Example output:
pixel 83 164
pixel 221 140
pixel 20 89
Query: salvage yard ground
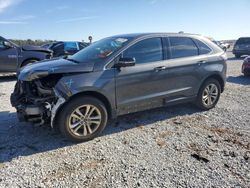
pixel 169 147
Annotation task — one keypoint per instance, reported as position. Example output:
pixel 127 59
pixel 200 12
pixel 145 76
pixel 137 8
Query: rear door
pixel 142 86
pixel 8 58
pixel 183 77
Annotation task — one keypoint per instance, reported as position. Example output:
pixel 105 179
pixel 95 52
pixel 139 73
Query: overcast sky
pixel 77 19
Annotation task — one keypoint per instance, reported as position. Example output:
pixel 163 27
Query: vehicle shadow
pixel 242 80
pixel 7 78
pixel 21 139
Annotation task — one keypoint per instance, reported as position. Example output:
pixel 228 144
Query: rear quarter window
pixel 203 48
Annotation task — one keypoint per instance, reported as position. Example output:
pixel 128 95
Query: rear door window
pixel 145 51
pixel 182 47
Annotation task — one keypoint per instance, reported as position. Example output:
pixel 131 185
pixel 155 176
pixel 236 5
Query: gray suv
pixel 120 75
pixel 13 57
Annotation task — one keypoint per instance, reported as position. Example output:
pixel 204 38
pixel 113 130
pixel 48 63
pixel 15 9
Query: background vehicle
pixel 246 66
pixel 12 56
pixel 120 75
pixel 223 46
pixel 242 47
pixel 65 48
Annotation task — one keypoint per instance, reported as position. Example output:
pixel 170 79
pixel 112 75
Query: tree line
pixel 31 42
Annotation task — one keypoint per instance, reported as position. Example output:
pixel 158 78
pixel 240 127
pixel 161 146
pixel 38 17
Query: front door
pixel 140 87
pixel 8 58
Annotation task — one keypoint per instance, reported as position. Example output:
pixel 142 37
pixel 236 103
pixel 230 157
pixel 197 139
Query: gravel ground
pixel 169 147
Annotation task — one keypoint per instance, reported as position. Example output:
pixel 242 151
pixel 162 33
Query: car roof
pixel 138 35
pixel 244 38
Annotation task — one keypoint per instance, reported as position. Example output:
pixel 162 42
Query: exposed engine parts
pixel 36 101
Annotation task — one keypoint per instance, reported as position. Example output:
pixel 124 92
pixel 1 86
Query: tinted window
pixel 70 46
pixel 148 50
pixel 58 47
pixel 1 44
pixel 203 48
pixel 182 47
pixel 243 41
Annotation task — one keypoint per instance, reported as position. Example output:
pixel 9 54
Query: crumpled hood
pixel 36 48
pixel 53 66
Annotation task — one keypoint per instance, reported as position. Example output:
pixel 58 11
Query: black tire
pixel 246 75
pixel 237 56
pixel 28 62
pixel 65 115
pixel 200 102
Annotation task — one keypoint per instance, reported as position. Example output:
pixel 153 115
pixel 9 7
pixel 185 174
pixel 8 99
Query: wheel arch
pixel 216 77
pixel 93 94
pixel 29 59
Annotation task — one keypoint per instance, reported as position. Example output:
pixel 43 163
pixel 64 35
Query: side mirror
pixel 7 44
pixel 125 62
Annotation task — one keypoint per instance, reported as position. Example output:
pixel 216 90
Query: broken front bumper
pixel 34 103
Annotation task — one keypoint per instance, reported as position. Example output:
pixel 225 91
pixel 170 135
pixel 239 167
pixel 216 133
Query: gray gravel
pixel 170 147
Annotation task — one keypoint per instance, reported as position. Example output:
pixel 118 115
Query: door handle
pixel 157 69
pixel 201 62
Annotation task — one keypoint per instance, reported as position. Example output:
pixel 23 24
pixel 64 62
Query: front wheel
pixel 209 94
pixel 82 119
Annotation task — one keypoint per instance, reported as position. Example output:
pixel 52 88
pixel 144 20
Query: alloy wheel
pixel 210 95
pixel 84 120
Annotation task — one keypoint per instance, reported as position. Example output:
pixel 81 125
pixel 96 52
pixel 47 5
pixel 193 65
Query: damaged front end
pixel 37 101
pixel 41 89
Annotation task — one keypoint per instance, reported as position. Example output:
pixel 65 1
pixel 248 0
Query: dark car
pixel 242 47
pixel 246 66
pixel 61 48
pixel 120 75
pixel 13 57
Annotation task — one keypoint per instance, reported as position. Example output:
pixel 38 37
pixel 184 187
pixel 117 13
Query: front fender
pixel 102 82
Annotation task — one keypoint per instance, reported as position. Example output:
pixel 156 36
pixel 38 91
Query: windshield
pixel 100 50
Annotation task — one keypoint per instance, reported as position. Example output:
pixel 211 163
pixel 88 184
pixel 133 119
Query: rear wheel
pixel 82 119
pixel 209 94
